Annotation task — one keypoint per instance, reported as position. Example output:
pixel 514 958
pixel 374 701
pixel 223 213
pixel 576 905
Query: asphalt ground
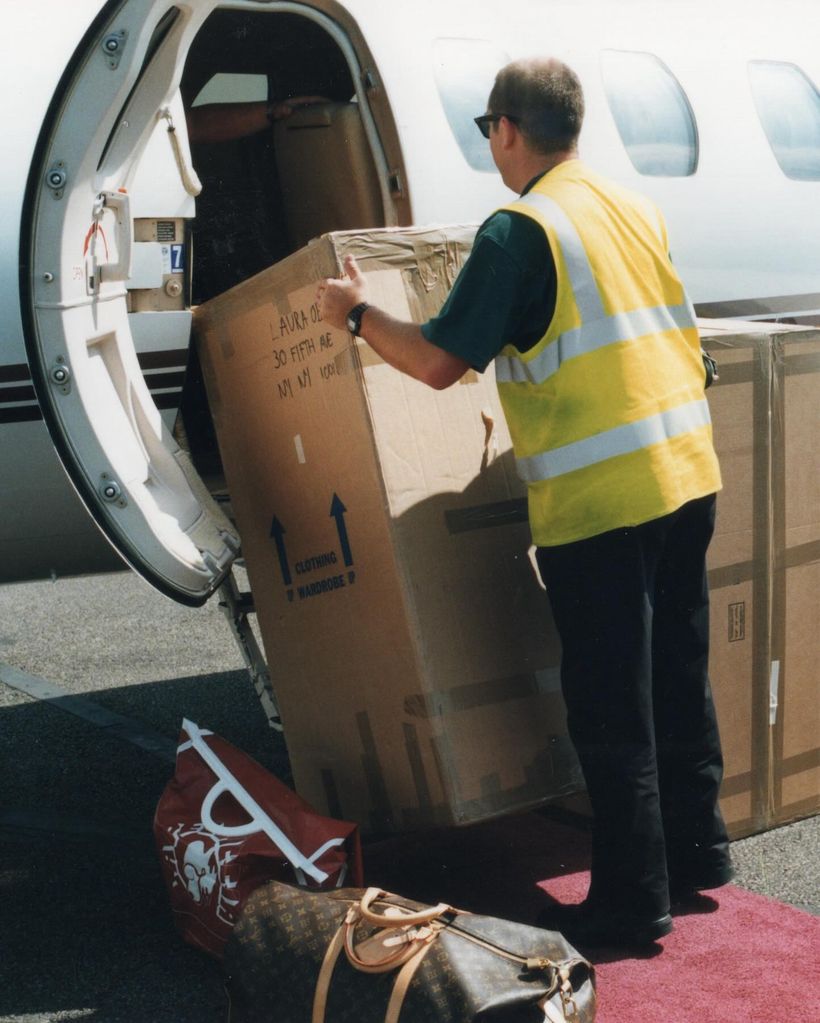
pixel 85 931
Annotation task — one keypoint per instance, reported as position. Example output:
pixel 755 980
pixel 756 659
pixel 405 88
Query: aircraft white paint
pixel 97 203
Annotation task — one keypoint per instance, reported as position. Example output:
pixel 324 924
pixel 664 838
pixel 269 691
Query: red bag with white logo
pixel 224 825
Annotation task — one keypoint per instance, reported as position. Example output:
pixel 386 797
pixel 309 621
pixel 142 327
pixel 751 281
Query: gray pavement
pixel 85 931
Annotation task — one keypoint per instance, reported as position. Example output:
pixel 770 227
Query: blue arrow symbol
pixel 277 532
pixel 337 511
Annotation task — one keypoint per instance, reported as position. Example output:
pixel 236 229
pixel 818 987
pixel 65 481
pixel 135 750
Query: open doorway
pixel 109 212
pixel 267 194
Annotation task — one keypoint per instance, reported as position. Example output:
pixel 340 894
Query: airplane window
pixel 227 88
pixel 788 105
pixel 651 112
pixel 465 71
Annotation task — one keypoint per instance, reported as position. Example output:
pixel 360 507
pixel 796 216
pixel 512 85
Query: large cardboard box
pixel 796 585
pixel 765 570
pixel 384 530
pixel 385 534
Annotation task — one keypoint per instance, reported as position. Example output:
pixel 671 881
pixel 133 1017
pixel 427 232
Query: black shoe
pixel 685 886
pixel 586 924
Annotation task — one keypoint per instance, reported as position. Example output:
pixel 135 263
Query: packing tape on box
pixel 381 813
pixel 792 359
pixel 486 516
pixel 436 268
pixel 809 760
pixel 804 363
pixel 412 747
pixel 381 816
pixel 736 784
pixel 346 360
pixel 802 554
pixel 331 790
pixel 441 702
pixel 446 248
pixel 765 391
pixel 556 762
pixel 774 691
pixel 780 357
pixel 732 373
pixel 554 771
pixel 730 575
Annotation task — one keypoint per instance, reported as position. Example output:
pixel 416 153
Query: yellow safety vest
pixel 607 412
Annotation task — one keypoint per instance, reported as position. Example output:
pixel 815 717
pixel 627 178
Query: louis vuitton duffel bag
pixel 365 956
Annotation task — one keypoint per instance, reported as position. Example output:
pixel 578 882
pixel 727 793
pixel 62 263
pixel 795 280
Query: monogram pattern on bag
pixel 277 947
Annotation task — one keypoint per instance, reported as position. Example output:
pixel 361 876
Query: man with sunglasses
pixel 571 292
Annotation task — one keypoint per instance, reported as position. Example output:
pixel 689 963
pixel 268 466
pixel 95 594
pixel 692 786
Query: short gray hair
pixel 545 98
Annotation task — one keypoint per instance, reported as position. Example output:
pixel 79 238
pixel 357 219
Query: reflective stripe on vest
pixel 597 330
pixel 607 411
pixel 621 440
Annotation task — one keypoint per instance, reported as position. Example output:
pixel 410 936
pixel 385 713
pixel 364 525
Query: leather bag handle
pixel 405 950
pixel 408 960
pixel 397 916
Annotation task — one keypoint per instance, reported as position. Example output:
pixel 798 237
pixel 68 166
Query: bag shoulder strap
pixel 409 958
pixel 402 983
pixel 325 973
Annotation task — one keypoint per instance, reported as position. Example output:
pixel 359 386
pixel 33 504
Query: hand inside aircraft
pixel 224 122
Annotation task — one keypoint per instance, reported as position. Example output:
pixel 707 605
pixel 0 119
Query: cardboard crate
pixel 796 728
pixel 384 530
pixel 765 570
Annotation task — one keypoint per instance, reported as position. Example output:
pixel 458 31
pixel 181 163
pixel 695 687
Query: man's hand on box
pixel 337 296
pixel 399 342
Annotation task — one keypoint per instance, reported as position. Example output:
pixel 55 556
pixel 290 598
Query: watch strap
pixel 354 317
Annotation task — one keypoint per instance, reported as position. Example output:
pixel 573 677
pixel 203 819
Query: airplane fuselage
pixel 107 244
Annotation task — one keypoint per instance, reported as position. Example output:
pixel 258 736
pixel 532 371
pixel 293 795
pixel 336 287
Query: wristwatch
pixel 353 320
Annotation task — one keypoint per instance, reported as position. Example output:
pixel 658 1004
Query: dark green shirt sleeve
pixel 505 293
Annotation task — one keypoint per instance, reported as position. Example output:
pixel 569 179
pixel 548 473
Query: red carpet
pixel 734 957
pixel 737 957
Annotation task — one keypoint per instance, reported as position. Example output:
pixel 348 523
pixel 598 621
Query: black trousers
pixel 632 610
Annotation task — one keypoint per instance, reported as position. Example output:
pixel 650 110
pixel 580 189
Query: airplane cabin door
pixel 82 244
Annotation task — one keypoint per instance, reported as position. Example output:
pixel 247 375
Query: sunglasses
pixel 485 120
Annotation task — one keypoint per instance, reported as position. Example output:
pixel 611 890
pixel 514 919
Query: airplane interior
pixel 266 195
